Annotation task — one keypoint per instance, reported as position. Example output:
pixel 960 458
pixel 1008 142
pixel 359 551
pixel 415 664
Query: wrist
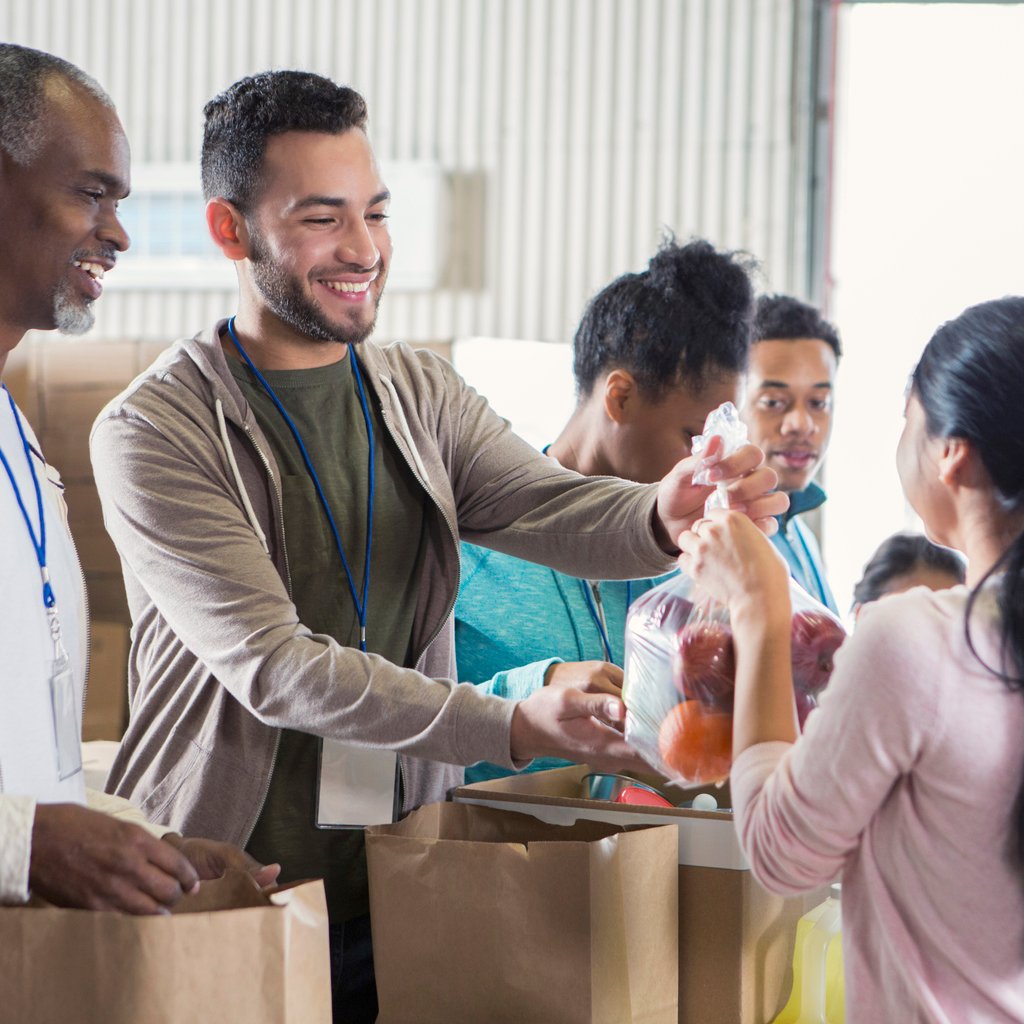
pixel 662 538
pixel 760 612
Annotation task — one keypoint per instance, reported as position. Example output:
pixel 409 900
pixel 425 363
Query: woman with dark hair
pixel 907 780
pixel 904 561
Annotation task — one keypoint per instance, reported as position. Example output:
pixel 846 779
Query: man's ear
pixel 227 228
pixel 620 392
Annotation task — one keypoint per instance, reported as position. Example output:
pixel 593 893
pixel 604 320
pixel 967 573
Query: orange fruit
pixel 696 743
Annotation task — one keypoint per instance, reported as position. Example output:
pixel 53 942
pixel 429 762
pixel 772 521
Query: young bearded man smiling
pixel 287 499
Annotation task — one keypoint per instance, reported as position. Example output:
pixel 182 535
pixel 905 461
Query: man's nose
pixel 357 247
pixel 113 233
pixel 799 421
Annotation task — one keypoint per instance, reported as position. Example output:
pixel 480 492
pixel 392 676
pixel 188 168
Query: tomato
pixel 696 744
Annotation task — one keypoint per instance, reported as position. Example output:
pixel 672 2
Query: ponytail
pixel 1010 601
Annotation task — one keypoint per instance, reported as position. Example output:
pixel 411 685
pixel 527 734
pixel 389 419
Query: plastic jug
pixel 817 996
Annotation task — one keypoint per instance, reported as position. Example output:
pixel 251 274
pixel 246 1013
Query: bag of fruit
pixel 680 667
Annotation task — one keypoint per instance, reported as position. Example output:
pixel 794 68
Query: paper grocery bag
pixel 489 915
pixel 230 953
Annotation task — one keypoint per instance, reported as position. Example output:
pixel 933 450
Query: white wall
pixel 928 220
pixel 570 132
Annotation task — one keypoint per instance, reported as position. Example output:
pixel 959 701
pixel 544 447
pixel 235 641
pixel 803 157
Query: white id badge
pixel 356 786
pixel 65 716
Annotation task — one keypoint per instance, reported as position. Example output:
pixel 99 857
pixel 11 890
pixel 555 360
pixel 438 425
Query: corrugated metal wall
pixel 571 131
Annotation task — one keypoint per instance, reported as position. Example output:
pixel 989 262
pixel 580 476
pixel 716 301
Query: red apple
pixel 705 666
pixel 805 704
pixel 815 638
pixel 656 611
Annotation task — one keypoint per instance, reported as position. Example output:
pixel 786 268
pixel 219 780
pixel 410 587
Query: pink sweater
pixel 904 783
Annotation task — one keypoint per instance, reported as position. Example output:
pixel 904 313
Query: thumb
pixel 602 707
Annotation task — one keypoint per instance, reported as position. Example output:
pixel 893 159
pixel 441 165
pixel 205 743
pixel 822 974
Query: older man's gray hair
pixel 23 76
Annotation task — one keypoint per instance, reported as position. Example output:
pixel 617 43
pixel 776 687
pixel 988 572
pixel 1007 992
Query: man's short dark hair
pixel 23 75
pixel 240 120
pixel 783 318
pixel 686 319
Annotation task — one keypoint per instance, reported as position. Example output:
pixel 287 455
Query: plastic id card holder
pixel 356 786
pixel 66 733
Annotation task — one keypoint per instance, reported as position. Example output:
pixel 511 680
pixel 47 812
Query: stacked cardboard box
pixel 735 939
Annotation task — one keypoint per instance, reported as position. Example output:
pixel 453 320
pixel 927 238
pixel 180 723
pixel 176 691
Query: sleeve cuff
pixel 124 810
pixel 17 815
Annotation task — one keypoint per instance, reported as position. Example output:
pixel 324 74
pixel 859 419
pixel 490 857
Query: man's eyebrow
pixel 336 201
pixel 784 385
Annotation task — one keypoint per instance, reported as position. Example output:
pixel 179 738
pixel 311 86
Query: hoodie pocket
pixel 192 760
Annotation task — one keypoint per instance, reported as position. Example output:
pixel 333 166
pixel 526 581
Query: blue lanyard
pixel 39 543
pixel 360 603
pixel 598 620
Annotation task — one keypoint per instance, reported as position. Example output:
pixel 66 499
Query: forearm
pixel 518 683
pixel 764 709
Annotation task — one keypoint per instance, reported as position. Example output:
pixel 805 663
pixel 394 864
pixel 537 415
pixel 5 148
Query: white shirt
pixel 28 752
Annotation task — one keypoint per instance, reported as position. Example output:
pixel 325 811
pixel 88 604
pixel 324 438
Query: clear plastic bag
pixel 680 672
pixel 680 665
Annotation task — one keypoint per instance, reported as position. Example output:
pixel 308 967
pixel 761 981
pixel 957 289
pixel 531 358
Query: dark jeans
pixel 353 989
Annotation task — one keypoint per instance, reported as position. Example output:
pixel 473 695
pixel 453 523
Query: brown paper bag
pixel 230 953
pixel 487 915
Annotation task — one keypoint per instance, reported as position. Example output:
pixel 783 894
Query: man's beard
pixel 290 304
pixel 72 313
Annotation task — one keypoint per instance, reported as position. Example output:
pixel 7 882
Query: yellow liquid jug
pixel 817 996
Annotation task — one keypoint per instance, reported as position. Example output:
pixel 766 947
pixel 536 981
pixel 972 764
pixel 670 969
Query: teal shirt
pixel 799 546
pixel 514 619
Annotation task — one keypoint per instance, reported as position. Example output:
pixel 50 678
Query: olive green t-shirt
pixel 324 405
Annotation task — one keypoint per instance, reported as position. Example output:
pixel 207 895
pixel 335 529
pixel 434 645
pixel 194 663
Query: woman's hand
pixel 735 563
pixel 751 490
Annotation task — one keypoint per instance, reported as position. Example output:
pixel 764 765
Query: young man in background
pixel 788 411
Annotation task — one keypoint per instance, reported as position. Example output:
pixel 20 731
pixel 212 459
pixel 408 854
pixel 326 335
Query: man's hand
pixel 211 858
pixel 588 676
pixel 583 727
pixel 751 490
pixel 83 858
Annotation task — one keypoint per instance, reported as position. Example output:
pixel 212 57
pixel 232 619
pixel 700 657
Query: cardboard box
pixel 735 939
pixel 106 696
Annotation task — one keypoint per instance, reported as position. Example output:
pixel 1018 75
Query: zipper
pixel 87 621
pixel 451 529
pixel 288 584
pixel 458 563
